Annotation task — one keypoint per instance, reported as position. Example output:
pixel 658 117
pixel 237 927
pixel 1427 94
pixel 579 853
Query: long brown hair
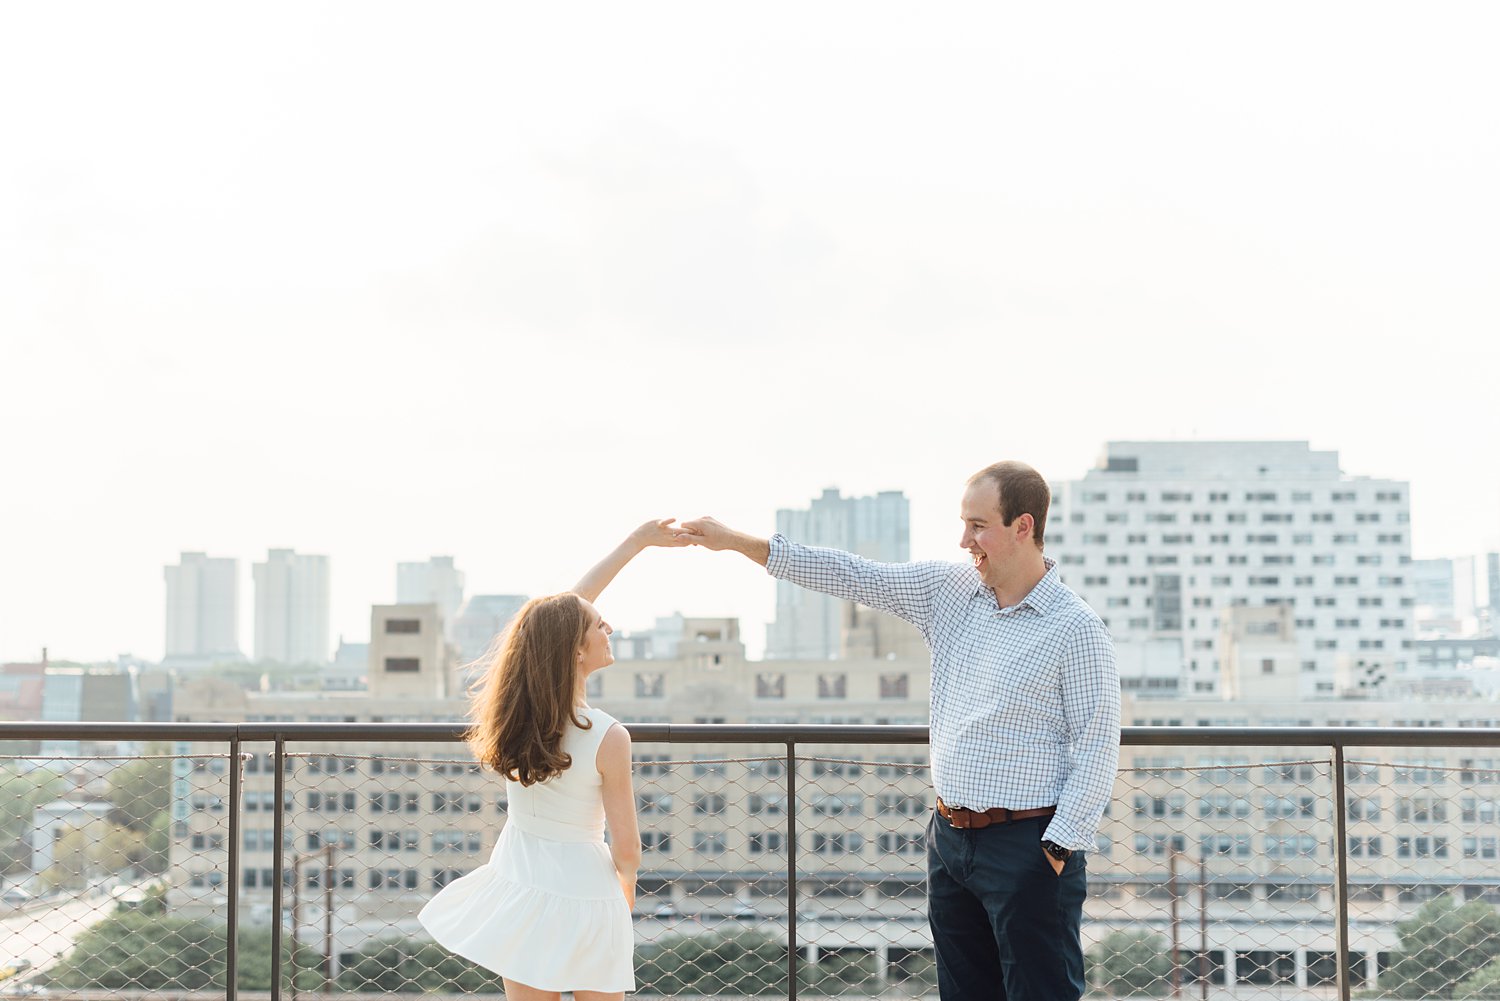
pixel 523 705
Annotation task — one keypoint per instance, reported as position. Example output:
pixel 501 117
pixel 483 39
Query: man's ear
pixel 1025 526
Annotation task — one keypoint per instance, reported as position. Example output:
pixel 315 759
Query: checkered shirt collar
pixel 1040 599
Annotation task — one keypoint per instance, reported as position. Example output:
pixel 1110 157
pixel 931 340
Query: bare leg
pixel 515 991
pixel 598 995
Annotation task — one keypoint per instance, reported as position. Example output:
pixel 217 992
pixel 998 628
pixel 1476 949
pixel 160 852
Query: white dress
pixel 546 910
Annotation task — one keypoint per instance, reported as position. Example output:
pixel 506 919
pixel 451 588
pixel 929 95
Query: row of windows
pixel 772 685
pixel 1430 771
pixel 828 844
pixel 1223 538
pixel 1250 496
pixel 774 804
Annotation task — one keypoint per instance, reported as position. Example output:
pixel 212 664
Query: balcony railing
pixel 290 859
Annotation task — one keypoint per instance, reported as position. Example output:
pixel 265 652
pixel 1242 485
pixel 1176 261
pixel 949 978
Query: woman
pixel 550 911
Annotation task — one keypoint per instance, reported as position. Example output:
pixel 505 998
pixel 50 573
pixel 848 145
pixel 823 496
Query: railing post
pixel 1341 871
pixel 791 870
pixel 278 872
pixel 232 929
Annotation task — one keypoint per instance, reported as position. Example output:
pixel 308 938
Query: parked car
pixel 16 897
pixel 744 912
pixel 665 911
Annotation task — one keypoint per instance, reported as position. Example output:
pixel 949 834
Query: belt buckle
pixel 954 817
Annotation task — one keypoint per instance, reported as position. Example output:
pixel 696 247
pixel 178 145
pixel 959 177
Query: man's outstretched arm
pixel 710 534
pixel 906 590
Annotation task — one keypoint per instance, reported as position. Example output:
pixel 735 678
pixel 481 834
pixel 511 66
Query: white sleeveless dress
pixel 546 910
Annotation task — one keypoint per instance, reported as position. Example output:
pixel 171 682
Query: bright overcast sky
pixel 500 280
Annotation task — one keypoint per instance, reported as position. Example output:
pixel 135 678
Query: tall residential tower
pixel 203 620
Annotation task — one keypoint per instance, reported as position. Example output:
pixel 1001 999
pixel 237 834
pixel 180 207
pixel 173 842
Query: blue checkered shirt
pixel 1025 707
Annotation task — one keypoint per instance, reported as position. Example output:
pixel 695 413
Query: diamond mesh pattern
pixel 1238 842
pixel 116 871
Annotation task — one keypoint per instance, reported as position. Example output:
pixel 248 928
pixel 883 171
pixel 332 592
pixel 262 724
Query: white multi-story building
pixel 808 625
pixel 291 608
pixel 203 611
pixel 436 582
pixel 1162 537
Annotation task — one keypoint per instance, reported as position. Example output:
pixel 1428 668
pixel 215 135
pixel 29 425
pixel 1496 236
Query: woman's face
pixel 596 652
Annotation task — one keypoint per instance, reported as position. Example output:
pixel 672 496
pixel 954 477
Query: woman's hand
pixel 660 532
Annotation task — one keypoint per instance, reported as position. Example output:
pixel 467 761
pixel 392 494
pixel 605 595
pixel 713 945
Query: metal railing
pixel 1307 806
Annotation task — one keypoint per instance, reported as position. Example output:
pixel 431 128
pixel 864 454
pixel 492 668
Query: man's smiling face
pixel 992 545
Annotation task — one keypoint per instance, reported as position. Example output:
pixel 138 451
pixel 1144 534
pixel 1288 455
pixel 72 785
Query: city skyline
pixel 566 271
pixel 356 627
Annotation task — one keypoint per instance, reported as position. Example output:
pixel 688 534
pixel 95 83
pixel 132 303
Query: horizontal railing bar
pixel 755 733
pixel 36 730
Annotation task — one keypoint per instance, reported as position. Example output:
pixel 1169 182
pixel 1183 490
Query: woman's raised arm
pixel 659 532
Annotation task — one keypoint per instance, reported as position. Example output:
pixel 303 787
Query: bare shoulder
pixel 614 749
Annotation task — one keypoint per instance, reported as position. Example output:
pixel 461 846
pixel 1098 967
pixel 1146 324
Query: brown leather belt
pixel 978 820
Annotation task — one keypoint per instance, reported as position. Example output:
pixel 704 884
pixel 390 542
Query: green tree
pixel 1130 964
pixel 141 949
pixel 1442 945
pixel 140 791
pixel 745 961
pixel 403 966
pixel 23 792
pixel 1481 986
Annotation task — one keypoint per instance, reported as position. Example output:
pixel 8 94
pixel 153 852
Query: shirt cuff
pixel 778 562
pixel 1060 832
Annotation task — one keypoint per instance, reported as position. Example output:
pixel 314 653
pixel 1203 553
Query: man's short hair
pixel 1022 491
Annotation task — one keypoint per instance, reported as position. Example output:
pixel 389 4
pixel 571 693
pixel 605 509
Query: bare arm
pixel 652 533
pixel 710 534
pixel 613 762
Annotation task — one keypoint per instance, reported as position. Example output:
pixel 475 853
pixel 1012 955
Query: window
pixel 767 842
pixel 770 685
pixel 833 686
pixel 393 879
pixel 653 804
pixel 895 686
pixel 1291 846
pixel 1231 845
pixel 905 843
pixel 838 805
pixel 403 665
pixel 901 804
pixel 1288 807
pixel 650 685
pixel 656 841
pixel 1421 846
pixel 1159 845
pixel 708 842
pixel 403 626
pixel 831 843
pixel 1364 846
pixel 455 841
pixel 455 802
pixel 1224 806
pixel 709 805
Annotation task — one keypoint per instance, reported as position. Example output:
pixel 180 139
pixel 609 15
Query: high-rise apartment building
pixel 1162 538
pixel 203 611
pixel 809 625
pixel 291 608
pixel 435 582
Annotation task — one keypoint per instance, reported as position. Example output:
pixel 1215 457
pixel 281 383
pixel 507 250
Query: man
pixel 1025 731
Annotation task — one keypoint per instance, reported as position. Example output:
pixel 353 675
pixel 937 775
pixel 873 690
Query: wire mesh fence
pixel 1215 873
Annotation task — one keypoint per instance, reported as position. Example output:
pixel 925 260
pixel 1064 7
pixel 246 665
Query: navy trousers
pixel 1005 926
